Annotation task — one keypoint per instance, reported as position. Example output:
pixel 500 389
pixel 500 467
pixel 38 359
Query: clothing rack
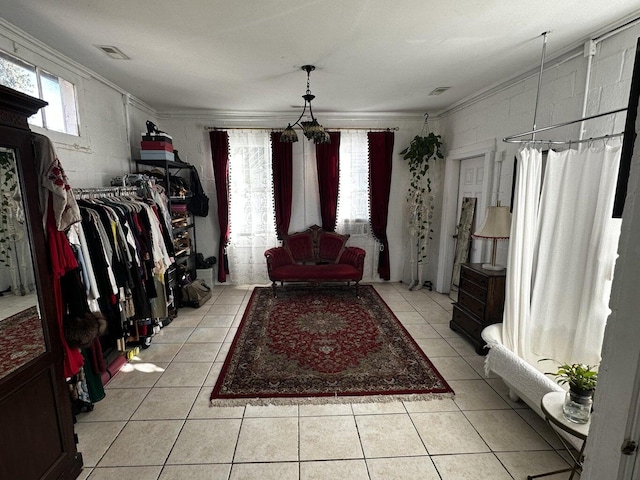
pixel 512 138
pixel 102 192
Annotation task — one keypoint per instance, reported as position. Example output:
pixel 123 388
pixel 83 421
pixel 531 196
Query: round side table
pixel 551 406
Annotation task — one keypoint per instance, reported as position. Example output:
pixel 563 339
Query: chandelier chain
pixel 310 128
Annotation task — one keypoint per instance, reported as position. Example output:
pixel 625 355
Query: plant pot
pixel 577 405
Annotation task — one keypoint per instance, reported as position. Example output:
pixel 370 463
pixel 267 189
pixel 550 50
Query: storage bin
pixel 205 274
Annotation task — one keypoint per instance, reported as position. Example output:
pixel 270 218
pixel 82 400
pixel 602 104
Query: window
pixel 353 197
pixel 353 201
pixel 61 114
pixel 251 217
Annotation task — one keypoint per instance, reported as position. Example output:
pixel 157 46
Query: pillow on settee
pixel 300 247
pixel 330 246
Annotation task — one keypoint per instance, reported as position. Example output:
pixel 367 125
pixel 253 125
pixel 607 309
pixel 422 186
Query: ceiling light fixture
pixel 311 128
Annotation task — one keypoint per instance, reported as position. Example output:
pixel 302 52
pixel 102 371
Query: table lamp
pixel 496 226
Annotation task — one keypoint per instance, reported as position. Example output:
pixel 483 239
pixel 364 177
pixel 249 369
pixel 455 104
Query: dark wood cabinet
pixel 37 440
pixel 480 302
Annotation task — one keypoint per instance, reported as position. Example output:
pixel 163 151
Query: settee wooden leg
pixel 357 290
pixel 273 285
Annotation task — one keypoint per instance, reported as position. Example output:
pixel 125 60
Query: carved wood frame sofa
pixel 315 256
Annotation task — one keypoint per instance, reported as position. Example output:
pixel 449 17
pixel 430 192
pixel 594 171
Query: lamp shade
pixel 497 223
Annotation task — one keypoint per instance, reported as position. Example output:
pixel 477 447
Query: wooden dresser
pixel 480 302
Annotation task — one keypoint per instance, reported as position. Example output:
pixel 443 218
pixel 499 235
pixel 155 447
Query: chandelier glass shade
pixel 310 128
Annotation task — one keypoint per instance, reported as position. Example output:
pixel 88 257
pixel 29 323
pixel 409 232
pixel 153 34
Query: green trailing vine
pixel 8 187
pixel 422 151
pixel 419 152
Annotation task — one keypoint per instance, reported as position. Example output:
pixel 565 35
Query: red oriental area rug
pixel 21 340
pixel 323 345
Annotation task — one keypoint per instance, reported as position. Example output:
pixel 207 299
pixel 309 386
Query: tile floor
pixel 156 424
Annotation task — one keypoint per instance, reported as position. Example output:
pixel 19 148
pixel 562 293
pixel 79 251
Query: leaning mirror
pixel 21 335
pixel 463 243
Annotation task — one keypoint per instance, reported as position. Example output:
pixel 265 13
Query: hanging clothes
pixel 60 211
pixel 62 262
pixel 55 188
pixel 128 247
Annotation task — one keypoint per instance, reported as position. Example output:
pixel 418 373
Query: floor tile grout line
pixel 299 436
pixel 364 455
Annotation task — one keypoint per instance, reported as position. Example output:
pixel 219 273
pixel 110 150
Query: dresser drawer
pixel 467 323
pixel 476 277
pixel 478 291
pixel 470 303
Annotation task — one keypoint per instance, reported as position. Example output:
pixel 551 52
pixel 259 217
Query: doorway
pixel 471 185
pixel 477 172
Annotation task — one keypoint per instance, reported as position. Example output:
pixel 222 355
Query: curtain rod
pixel 567 142
pixel 104 191
pixel 511 138
pixel 328 129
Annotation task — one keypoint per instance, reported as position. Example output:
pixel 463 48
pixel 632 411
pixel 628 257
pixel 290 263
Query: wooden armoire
pixel 36 423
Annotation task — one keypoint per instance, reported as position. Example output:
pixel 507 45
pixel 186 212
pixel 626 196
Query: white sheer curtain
pixel 353 197
pixel 561 255
pixel 251 217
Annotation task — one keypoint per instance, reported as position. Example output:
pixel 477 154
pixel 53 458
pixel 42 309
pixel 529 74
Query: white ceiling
pixel 371 55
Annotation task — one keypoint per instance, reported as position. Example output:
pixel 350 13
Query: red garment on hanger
pixel 62 261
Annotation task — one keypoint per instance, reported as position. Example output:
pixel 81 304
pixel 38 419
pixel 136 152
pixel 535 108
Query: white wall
pixel 192 141
pixel 509 109
pixel 103 148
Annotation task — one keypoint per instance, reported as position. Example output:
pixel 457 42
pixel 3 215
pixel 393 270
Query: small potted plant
pixel 581 380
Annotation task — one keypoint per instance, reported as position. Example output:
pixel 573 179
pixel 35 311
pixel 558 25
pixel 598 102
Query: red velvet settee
pixel 315 256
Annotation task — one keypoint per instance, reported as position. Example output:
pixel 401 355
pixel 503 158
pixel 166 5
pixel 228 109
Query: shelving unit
pixel 185 251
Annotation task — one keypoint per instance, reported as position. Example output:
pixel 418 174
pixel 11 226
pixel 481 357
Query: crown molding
pixel 248 117
pixel 37 47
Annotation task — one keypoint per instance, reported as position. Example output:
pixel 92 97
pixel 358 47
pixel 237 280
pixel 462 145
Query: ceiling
pixel 371 55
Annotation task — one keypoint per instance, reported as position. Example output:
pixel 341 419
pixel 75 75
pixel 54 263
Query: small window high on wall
pixel 61 113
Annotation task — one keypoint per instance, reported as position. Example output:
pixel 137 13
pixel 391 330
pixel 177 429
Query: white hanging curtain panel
pixel 252 221
pixel 522 245
pixel 562 253
pixel 577 245
pixel 353 198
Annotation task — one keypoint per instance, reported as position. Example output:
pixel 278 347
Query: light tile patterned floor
pixel 156 424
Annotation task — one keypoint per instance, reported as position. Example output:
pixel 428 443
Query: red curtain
pixel 281 158
pixel 380 156
pixel 220 157
pixel 327 161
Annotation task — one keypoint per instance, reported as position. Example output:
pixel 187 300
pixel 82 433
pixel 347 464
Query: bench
pixel 315 256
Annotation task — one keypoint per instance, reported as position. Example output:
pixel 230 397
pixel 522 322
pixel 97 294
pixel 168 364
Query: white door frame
pixel 450 202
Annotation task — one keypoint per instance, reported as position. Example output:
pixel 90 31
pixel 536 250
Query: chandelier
pixel 311 128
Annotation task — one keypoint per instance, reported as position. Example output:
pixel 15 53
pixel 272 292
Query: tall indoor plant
pixel 421 152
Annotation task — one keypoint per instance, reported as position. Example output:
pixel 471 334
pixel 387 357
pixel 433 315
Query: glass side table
pixel 551 405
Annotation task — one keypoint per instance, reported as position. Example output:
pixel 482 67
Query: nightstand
pixel 480 302
pixel 551 406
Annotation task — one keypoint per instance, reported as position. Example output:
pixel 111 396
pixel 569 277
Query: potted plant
pixel 581 380
pixel 422 150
